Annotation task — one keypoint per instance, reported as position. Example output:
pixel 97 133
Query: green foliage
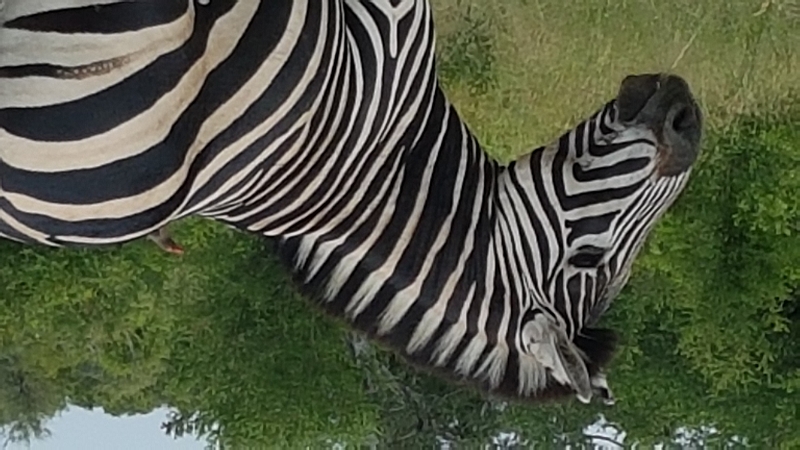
pixel 730 252
pixel 89 323
pixel 416 409
pixel 219 334
pixel 744 210
pixel 252 365
pixel 27 400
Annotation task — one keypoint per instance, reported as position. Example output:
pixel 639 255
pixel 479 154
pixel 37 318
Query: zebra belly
pixel 108 133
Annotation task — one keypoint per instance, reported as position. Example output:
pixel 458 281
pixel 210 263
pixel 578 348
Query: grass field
pixel 522 71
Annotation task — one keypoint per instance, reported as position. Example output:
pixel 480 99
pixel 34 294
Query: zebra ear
pixel 550 346
pixel 600 386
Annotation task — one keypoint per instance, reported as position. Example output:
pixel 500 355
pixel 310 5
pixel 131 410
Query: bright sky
pixel 81 429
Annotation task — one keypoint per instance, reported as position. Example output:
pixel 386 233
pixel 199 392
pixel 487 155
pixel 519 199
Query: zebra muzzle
pixel 664 104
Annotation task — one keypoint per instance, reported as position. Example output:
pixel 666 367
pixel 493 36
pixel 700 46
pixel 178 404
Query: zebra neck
pixel 527 233
pixel 414 261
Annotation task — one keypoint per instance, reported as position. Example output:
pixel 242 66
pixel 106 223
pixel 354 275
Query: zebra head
pixel 593 196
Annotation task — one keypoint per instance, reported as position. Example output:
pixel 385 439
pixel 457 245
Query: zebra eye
pixel 587 256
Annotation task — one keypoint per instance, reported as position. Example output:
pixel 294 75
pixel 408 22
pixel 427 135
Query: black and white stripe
pixel 321 123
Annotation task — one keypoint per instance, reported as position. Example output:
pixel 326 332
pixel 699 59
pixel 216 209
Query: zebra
pixel 322 125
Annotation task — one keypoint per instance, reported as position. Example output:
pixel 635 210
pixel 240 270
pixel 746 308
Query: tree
pixel 82 327
pixel 252 363
pixel 26 401
pixel 220 334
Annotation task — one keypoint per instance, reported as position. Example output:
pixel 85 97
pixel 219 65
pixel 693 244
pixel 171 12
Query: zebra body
pixel 321 123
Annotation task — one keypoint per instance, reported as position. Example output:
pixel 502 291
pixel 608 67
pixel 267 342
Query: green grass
pixel 523 71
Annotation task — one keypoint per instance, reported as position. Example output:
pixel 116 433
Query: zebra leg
pixel 163 239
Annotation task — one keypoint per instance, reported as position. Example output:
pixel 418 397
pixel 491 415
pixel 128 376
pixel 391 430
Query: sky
pixel 81 429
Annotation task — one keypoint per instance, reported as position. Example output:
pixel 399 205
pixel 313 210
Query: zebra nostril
pixel 683 119
pixel 682 133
